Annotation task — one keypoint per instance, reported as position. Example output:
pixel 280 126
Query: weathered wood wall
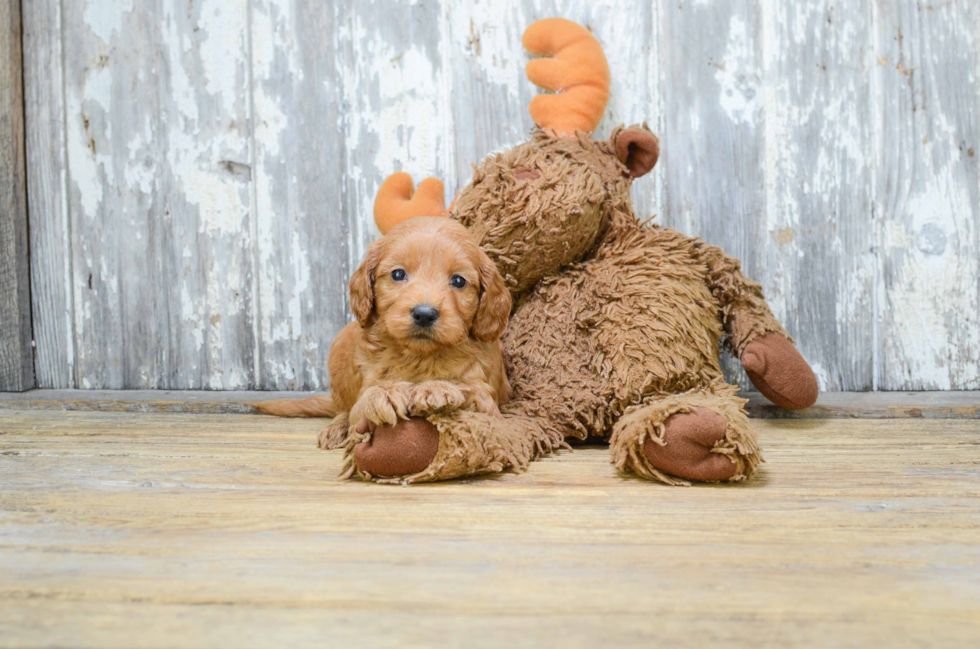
pixel 16 354
pixel 201 173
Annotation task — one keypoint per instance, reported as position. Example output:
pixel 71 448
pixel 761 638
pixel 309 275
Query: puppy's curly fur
pixel 386 366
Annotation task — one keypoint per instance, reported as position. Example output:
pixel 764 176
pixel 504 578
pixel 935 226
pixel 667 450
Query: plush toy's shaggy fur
pixel 617 327
pixel 621 339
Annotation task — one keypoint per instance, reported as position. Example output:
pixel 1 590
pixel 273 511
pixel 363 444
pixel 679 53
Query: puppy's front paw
pixel 435 396
pixel 383 404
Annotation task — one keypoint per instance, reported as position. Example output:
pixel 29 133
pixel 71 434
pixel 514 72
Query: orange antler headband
pixel 577 72
pixel 397 200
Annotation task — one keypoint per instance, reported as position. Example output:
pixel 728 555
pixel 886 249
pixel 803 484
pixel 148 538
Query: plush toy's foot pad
pixel 778 370
pixel 689 438
pixel 406 448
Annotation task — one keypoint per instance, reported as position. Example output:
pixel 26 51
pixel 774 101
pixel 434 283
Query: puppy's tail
pixel 322 406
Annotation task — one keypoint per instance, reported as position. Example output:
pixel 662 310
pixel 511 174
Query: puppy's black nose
pixel 424 315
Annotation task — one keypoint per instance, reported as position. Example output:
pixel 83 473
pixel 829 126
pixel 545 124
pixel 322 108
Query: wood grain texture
pixel 238 148
pixel 817 244
pixel 927 78
pixel 16 352
pixel 711 61
pixel 179 530
pixel 302 235
pixel 47 194
pixel 157 117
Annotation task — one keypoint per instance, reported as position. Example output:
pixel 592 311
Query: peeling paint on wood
pixel 201 174
pixel 714 125
pixel 927 204
pixel 156 103
pixel 302 238
pixel 815 254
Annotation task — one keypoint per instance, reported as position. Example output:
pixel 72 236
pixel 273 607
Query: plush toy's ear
pixel 362 286
pixel 577 72
pixel 398 200
pixel 493 311
pixel 637 148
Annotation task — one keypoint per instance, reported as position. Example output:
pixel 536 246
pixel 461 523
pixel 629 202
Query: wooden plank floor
pixel 156 530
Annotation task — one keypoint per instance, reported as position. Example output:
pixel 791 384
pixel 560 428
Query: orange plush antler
pixel 577 71
pixel 395 201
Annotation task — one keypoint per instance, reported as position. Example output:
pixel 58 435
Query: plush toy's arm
pixel 754 336
pixel 744 310
pixel 448 445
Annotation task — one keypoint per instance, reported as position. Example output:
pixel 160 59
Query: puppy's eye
pixel 458 282
pixel 398 275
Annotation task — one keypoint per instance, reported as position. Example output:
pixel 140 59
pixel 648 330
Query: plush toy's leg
pixel 753 335
pixel 700 435
pixel 447 445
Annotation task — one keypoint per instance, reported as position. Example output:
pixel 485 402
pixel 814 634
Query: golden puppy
pixel 430 309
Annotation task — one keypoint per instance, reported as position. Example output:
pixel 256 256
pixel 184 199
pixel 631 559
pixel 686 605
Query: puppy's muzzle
pixel 425 315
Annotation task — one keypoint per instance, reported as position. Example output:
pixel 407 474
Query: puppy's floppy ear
pixel 362 286
pixel 494 308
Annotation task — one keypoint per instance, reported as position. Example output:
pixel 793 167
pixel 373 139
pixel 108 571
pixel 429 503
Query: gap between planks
pixel 832 405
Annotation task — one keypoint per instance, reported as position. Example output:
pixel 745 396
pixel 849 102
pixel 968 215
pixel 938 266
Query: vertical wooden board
pixel 491 92
pixel 713 147
pixel 393 59
pixel 928 194
pixel 819 236
pixel 157 145
pixel 16 353
pixel 302 236
pixel 50 234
